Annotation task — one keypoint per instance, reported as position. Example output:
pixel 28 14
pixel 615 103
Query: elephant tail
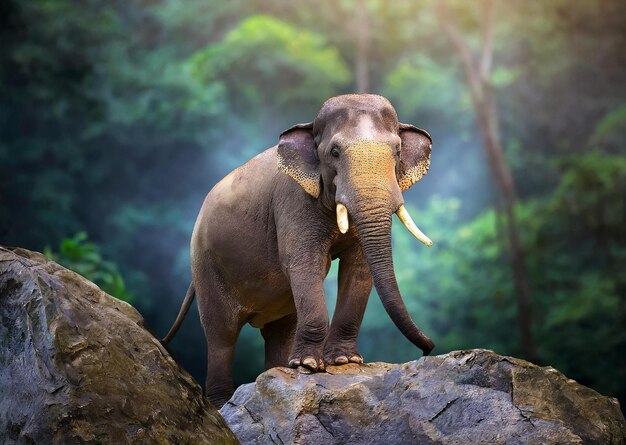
pixel 191 293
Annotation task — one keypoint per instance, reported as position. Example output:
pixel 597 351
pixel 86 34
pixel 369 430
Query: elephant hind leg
pixel 278 336
pixel 219 380
pixel 222 321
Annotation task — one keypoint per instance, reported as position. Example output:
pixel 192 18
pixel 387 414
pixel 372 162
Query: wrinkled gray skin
pixel 267 232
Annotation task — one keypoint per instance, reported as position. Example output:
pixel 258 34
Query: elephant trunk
pixel 373 224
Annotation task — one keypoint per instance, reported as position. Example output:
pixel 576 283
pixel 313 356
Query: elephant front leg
pixel 312 319
pixel 355 285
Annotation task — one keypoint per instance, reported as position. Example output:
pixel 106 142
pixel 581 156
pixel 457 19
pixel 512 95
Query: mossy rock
pixel 78 366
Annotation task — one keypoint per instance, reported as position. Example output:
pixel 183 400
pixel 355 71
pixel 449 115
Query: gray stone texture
pixel 77 366
pixel 463 397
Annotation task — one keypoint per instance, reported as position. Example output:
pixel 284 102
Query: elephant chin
pixel 374 228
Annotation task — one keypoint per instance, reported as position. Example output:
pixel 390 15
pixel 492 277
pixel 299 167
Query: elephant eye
pixel 398 150
pixel 334 151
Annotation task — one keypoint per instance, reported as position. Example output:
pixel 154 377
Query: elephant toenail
pixel 356 359
pixel 294 363
pixel 310 363
pixel 341 360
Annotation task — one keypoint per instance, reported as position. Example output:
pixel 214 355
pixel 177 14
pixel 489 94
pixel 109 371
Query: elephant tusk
pixel 342 218
pixel 406 219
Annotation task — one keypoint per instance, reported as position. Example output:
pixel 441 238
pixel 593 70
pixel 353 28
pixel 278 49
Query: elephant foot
pixel 309 362
pixel 342 356
pixel 344 360
pixel 218 397
pixel 307 356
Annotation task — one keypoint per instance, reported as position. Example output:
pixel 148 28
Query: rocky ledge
pixel 77 366
pixel 464 397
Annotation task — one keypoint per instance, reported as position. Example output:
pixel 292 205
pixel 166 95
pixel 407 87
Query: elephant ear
pixel 297 157
pixel 415 155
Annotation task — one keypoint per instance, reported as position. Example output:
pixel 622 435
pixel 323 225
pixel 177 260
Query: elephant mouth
pixel 403 214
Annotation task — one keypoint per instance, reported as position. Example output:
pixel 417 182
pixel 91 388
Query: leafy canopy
pixel 264 61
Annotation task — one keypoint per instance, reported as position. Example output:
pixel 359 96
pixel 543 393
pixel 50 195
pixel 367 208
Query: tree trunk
pixel 478 80
pixel 362 37
pixel 488 124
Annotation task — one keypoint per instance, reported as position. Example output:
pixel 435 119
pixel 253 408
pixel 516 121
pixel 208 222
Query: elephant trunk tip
pixel 427 346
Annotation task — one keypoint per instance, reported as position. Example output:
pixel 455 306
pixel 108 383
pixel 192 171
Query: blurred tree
pixel 263 69
pixel 478 74
pixel 369 34
pixel 263 54
pixel 569 63
pixel 99 126
pixel 361 29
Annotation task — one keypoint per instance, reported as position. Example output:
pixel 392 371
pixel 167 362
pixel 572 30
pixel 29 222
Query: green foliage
pixel 611 130
pixel 421 83
pixel 503 77
pixel 580 228
pixel 262 71
pixel 592 193
pixel 84 258
pixel 264 61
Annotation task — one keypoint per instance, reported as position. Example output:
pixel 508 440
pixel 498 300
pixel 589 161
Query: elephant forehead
pixel 362 148
pixel 367 156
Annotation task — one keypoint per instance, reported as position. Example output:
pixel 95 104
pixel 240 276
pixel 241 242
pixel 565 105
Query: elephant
pixel 266 234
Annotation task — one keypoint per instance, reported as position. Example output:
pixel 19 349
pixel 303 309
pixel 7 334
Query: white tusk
pixel 342 218
pixel 406 219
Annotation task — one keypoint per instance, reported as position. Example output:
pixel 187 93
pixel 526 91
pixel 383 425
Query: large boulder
pixel 464 397
pixel 78 366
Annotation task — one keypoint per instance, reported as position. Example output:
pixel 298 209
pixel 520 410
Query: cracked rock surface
pixel 77 366
pixel 463 397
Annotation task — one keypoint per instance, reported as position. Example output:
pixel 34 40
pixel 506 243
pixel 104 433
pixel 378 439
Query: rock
pixel 464 397
pixel 78 366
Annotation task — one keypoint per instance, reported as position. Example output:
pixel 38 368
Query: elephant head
pixel 356 158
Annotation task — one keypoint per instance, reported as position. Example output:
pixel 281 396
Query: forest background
pixel 117 117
